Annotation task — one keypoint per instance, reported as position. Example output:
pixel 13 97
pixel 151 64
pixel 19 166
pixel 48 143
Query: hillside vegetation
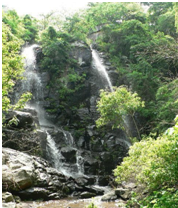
pixel 143 48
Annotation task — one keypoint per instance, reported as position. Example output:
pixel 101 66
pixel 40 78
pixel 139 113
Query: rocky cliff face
pixel 100 149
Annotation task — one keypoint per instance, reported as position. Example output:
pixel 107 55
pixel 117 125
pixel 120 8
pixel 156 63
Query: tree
pixel 12 68
pixel 176 14
pixel 31 31
pixel 153 164
pixel 113 106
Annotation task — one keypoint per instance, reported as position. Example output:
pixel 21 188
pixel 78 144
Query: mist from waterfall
pixel 100 67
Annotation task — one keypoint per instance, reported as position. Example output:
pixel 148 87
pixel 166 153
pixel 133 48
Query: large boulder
pixel 24 119
pixel 17 170
pixel 31 177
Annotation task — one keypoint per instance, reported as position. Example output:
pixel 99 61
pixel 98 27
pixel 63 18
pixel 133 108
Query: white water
pixel 31 82
pixel 54 153
pixel 101 69
pixel 69 138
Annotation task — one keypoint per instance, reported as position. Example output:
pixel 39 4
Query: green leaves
pixel 153 163
pixel 12 68
pixel 113 106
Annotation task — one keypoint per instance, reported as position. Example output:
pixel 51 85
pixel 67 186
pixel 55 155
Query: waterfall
pixel 59 161
pixel 54 153
pixel 32 81
pixel 100 67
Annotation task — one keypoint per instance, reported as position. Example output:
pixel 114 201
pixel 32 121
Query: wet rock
pixel 129 186
pixel 85 195
pixel 24 119
pixel 103 180
pixel 95 189
pixel 97 145
pixel 34 193
pixel 123 193
pixel 81 181
pixel 111 196
pixel 69 153
pixel 7 197
pixel 81 142
pixel 54 196
pixel 31 177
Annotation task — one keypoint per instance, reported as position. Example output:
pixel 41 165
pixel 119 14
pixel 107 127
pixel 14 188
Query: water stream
pixel 100 67
pixel 75 203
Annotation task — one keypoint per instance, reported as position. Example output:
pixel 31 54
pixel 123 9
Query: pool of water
pixel 76 203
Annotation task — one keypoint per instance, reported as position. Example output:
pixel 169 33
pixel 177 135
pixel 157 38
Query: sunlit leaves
pixel 151 162
pixel 12 66
pixel 114 105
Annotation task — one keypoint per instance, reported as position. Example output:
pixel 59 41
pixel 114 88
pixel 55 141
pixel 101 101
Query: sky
pixel 37 7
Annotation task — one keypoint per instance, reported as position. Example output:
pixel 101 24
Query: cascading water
pixel 59 161
pixel 32 83
pixel 53 152
pixel 100 67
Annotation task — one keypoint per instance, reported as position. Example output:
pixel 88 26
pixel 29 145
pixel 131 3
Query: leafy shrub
pixel 154 163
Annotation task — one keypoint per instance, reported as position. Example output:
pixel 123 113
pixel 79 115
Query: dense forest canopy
pixel 142 46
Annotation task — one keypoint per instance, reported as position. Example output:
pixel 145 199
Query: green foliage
pixel 111 12
pixel 12 68
pixel 12 65
pixel 167 104
pixel 22 101
pixel 164 198
pixel 154 163
pixel 113 106
pixel 77 26
pixel 25 28
pixel 92 205
pixel 176 14
pixel 11 19
pixel 31 32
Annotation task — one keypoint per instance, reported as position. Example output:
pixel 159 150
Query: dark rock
pixel 103 180
pixel 69 153
pixel 97 145
pixel 111 196
pixel 24 119
pixel 85 195
pixel 82 53
pixel 54 196
pixel 34 193
pixel 123 193
pixel 95 189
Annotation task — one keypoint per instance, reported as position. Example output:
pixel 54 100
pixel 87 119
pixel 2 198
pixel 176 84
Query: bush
pixel 154 163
